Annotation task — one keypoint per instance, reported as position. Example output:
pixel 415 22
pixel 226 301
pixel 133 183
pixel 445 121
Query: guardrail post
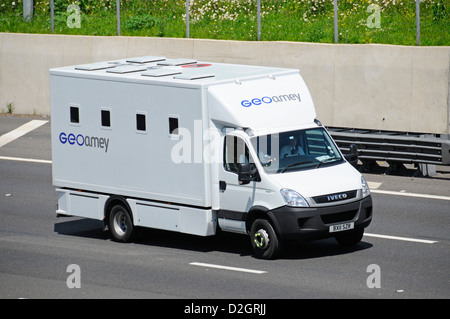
pixel 118 16
pixel 187 19
pixel 417 22
pixel 27 10
pixel 258 13
pixel 52 15
pixel 336 21
pixel 427 169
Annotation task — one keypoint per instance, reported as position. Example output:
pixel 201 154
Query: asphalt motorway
pixel 404 254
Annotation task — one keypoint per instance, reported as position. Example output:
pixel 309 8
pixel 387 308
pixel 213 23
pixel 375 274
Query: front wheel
pixel 121 224
pixel 264 240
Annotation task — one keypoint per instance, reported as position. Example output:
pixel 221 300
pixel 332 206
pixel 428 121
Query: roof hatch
pixel 146 59
pixel 122 69
pixel 161 72
pixel 95 66
pixel 194 76
pixel 177 62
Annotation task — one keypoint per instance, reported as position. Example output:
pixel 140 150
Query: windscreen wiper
pixel 295 164
pixel 326 161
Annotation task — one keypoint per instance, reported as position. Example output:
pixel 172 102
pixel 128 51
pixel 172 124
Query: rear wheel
pixel 264 240
pixel 121 224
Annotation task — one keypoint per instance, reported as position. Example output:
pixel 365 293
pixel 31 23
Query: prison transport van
pixel 192 147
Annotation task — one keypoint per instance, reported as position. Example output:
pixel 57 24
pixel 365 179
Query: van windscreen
pixel 296 150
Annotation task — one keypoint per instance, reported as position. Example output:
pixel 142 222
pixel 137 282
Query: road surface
pixel 404 254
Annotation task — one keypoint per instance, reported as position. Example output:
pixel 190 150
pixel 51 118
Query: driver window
pixel 235 153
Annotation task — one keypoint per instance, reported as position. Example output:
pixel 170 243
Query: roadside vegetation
pixel 363 21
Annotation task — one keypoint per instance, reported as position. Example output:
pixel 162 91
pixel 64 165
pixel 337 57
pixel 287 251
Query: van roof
pixel 157 69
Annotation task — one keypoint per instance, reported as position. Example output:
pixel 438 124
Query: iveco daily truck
pixel 192 147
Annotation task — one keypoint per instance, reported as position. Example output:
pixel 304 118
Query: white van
pixel 191 147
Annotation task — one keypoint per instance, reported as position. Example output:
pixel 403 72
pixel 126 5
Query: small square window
pixel 74 114
pixel 140 122
pixel 173 125
pixel 106 118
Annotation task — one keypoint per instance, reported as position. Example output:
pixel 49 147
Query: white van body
pixel 191 146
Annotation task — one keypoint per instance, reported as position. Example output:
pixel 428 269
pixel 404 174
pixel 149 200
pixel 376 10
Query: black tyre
pixel 264 240
pixel 121 224
pixel 350 237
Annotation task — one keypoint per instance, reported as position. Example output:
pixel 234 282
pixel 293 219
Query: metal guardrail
pixel 392 146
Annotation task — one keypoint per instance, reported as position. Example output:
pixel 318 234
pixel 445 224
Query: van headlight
pixel 365 187
pixel 292 198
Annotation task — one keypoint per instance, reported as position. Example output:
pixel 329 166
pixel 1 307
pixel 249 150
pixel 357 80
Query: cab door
pixel 235 198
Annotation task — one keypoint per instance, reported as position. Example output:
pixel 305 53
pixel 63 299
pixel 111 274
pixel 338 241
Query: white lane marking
pixel 19 159
pixel 377 191
pixel 20 131
pixel 374 185
pixel 423 241
pixel 259 272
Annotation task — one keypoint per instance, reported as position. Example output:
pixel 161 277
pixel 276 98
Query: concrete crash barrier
pixel 371 86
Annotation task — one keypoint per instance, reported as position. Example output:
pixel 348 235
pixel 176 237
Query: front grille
pixel 330 198
pixel 339 217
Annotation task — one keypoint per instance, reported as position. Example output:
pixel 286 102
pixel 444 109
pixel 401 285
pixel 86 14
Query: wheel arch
pixel 260 212
pixel 113 201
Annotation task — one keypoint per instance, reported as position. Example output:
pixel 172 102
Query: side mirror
pixel 352 157
pixel 247 173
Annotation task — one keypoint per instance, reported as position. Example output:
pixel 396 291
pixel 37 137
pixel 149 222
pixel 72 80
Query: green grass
pixel 294 20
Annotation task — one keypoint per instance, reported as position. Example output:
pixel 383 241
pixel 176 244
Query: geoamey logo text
pixel 273 99
pixel 81 140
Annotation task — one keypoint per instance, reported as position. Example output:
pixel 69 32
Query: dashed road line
pixel 374 185
pixel 378 191
pixel 374 188
pixel 416 240
pixel 20 159
pixel 259 272
pixel 20 131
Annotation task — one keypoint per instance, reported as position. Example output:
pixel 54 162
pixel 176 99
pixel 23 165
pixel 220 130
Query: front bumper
pixel 314 223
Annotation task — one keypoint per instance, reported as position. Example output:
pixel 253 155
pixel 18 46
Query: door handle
pixel 222 185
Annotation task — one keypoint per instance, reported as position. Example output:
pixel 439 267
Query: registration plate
pixel 341 227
